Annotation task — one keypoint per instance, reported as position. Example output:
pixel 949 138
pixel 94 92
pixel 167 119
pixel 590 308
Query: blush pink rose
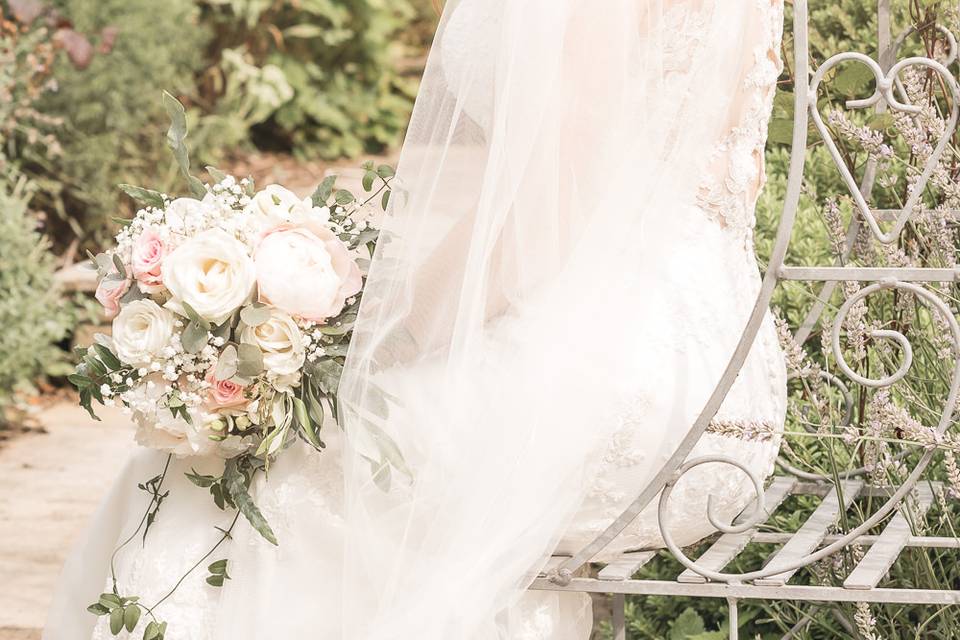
pixel 224 393
pixel 109 293
pixel 146 260
pixel 305 270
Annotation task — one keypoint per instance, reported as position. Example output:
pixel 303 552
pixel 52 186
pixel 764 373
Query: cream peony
pixel 281 342
pixel 140 331
pixel 305 270
pixel 212 273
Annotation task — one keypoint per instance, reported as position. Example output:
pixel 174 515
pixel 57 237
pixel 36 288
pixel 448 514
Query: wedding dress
pixel 567 268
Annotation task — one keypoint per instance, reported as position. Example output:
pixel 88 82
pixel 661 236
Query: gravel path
pixel 51 483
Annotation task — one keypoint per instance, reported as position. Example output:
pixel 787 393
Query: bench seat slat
pixel 885 551
pixel 812 533
pixel 729 545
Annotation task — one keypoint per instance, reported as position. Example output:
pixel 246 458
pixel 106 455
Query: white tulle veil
pixel 550 143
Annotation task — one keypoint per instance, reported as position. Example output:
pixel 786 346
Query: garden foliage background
pixel 334 81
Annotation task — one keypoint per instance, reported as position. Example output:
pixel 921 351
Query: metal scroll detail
pixel 759 513
pixel 889 93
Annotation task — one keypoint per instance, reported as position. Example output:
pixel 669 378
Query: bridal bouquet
pixel 232 311
pixel 229 315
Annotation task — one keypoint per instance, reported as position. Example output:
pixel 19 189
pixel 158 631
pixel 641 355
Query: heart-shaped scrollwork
pixel 884 92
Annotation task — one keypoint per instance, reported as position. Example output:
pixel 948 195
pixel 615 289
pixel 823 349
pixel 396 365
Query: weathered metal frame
pixel 812 543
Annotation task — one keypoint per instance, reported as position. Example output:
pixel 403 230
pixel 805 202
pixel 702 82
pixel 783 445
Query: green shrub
pixel 114 119
pixel 33 315
pixel 316 77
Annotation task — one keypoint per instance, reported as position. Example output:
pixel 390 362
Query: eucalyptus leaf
pixel 194 316
pixel 194 337
pixel 215 580
pixel 223 330
pixel 385 200
pixel 385 171
pixel 227 363
pixel 98 609
pixel 236 486
pixel 146 197
pixel 255 314
pixel 250 361
pixel 132 294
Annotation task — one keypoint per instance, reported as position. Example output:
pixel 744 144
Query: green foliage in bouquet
pixel 32 314
pixel 316 77
pixel 112 120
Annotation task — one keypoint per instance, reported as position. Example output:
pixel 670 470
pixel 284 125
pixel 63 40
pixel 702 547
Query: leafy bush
pixel 112 111
pixel 316 77
pixel 32 314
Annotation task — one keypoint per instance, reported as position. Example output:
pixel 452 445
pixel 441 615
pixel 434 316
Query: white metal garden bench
pixel 705 576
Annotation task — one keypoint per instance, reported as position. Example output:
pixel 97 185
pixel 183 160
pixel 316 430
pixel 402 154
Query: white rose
pixel 141 331
pixel 281 342
pixel 212 272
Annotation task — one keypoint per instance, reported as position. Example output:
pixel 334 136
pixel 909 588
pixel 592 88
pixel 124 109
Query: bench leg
pixel 619 617
pixel 734 618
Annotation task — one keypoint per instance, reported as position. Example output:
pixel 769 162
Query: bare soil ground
pixel 51 480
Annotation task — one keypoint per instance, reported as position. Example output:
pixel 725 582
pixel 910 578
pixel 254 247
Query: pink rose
pixel 146 260
pixel 305 270
pixel 109 292
pixel 224 393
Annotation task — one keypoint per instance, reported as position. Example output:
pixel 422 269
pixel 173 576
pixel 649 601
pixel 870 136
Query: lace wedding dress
pixel 510 462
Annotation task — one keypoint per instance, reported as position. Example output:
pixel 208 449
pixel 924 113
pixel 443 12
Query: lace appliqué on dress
pixel 728 194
